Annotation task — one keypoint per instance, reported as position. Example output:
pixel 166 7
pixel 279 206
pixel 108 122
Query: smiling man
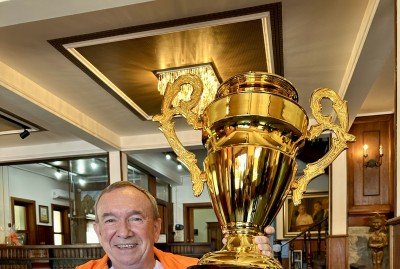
pixel 127 225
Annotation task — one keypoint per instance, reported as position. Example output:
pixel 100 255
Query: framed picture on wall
pixel 43 213
pixel 313 209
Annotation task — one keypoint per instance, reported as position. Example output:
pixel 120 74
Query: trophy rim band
pixel 233 106
pixel 262 81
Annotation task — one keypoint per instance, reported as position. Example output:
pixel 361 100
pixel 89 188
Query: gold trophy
pixel 252 130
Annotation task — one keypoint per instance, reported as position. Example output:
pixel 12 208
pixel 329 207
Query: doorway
pixel 61 225
pixel 24 219
pixel 201 224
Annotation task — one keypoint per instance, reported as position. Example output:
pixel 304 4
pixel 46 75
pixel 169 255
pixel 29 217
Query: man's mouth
pixel 126 246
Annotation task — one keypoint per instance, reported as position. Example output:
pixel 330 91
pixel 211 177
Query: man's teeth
pixel 127 245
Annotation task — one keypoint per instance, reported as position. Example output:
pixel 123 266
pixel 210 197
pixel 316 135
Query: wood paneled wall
pixel 394 250
pixel 370 189
pixel 337 250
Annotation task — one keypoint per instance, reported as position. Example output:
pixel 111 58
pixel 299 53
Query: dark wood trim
pixel 337 251
pixel 31 217
pixel 66 229
pixel 275 10
pixel 393 221
pixel 152 184
pixel 394 245
pixel 123 166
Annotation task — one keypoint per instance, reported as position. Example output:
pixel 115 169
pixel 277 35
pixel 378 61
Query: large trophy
pixel 252 130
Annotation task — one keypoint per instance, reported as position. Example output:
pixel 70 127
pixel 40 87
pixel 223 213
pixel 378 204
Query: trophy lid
pixel 258 82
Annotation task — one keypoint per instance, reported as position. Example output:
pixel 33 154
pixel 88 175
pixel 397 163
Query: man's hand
pixel 262 241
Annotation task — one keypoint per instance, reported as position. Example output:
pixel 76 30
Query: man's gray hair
pixel 127 184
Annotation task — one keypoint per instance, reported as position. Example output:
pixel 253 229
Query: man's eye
pixel 109 221
pixel 136 219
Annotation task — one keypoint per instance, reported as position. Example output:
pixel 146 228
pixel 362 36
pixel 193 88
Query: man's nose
pixel 124 230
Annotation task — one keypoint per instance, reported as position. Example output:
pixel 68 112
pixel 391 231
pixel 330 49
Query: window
pixel 57 226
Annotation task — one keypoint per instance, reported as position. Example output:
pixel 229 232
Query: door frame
pixel 65 222
pixel 188 219
pixel 30 214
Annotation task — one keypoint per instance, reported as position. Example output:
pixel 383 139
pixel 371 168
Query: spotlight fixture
pixel 57 174
pixel 179 166
pixel 82 182
pixel 168 156
pixel 24 134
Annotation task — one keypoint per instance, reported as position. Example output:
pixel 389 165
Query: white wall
pixel 200 217
pixel 397 118
pixel 184 194
pixel 19 183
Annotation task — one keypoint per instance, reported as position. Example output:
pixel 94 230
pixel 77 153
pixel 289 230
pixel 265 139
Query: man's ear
pixel 157 229
pixel 96 229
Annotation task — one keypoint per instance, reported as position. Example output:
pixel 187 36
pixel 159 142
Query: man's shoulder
pixel 95 264
pixel 170 260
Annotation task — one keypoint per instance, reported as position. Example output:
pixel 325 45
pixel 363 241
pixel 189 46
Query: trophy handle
pixel 167 126
pixel 339 142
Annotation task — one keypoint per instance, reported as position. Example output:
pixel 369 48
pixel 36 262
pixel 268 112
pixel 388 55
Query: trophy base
pixel 236 260
pixel 214 266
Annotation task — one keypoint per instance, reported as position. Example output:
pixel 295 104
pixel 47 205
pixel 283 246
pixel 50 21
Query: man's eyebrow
pixel 136 212
pixel 130 213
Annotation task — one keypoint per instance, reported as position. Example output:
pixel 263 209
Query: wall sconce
pixel 371 163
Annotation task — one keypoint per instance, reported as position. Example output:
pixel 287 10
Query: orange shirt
pixel 168 260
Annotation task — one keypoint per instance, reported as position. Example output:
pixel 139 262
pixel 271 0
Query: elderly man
pixel 128 224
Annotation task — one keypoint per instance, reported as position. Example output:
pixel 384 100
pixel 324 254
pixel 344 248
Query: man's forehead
pixel 126 197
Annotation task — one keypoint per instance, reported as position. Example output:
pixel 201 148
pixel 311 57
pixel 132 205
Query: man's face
pixel 317 207
pixel 302 209
pixel 126 228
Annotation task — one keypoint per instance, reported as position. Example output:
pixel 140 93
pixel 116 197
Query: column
pixel 117 166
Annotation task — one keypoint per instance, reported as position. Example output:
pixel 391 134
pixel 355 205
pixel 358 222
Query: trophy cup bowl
pixel 252 130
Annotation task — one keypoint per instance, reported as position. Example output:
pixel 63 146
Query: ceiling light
pixel 168 156
pixel 57 163
pixel 82 182
pixel 207 74
pixel 58 174
pixel 24 134
pixel 179 166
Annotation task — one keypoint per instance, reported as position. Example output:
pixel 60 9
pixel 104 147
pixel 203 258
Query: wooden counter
pixel 48 256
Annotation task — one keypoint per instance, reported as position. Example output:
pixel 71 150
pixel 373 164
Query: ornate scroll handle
pixel 339 142
pixel 167 126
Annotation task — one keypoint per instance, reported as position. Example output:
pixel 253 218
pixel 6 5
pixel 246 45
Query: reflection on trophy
pixel 252 130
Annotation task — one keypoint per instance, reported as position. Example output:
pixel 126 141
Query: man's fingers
pixel 267 253
pixel 224 240
pixel 269 230
pixel 265 248
pixel 260 239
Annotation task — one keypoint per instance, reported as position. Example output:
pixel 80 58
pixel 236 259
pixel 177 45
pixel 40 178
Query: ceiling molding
pixel 47 151
pixel 40 99
pixel 358 45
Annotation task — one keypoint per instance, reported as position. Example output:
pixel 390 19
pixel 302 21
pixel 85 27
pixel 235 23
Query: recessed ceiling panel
pixel 233 48
pixel 123 60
